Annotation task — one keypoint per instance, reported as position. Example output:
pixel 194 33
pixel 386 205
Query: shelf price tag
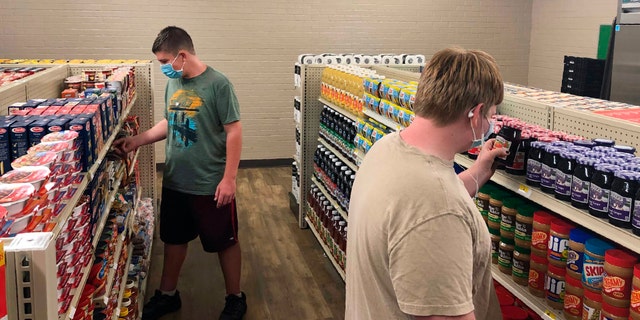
pixel 524 190
pixel 550 314
pixel 72 312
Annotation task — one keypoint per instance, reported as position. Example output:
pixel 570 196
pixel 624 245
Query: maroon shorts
pixel 184 217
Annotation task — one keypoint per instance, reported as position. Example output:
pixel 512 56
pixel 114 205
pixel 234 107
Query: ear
pixel 478 106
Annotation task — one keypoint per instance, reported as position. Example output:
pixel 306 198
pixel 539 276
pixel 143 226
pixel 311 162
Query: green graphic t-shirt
pixel 196 110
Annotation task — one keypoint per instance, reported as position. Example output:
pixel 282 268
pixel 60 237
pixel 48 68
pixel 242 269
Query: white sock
pixel 169 293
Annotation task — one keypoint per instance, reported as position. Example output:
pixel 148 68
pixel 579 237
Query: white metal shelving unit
pixel 537 304
pixel 581 217
pixel 389 123
pixel 48 84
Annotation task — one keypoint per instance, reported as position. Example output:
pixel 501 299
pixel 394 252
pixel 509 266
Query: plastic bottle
pixel 575 253
pixel 559 242
pixel 593 266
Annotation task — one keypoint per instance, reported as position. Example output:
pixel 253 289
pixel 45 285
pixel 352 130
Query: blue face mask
pixel 477 143
pixel 170 72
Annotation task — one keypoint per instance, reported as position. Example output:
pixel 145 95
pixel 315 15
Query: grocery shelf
pixel 123 283
pixel 359 156
pixel 338 154
pixel 70 204
pixel 77 291
pixel 343 111
pixel 326 250
pixel 107 208
pixel 329 197
pixel 581 217
pixel 383 120
pixel 107 144
pixel 64 215
pixel 537 304
pixel 104 299
pixel 142 290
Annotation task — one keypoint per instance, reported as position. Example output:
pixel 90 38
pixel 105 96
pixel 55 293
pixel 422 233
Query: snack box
pixel 37 130
pixel 5 146
pixel 19 137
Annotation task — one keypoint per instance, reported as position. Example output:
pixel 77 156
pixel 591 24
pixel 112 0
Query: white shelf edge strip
pixel 602 227
pixel 538 305
pixel 383 120
pixel 342 111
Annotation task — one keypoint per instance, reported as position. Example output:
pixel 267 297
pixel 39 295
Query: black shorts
pixel 183 217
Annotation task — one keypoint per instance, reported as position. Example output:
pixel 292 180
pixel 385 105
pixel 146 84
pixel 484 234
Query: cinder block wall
pixel 256 42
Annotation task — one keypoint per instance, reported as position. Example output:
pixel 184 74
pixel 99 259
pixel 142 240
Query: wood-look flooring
pixel 284 271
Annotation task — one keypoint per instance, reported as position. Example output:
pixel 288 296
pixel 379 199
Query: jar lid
pixel 615 311
pixel 514 313
pixel 571 281
pixel 487 188
pixel 511 202
pixel 505 298
pixel 507 241
pixel 627 175
pixel 547 139
pixel 553 150
pixel 622 155
pixel 604 142
pixel 625 149
pixel 595 154
pixel 561 226
pixel 573 138
pixel 523 250
pixel 526 210
pixel 580 235
pixel 631 166
pixel 604 149
pixel 593 296
pixel 585 143
pixel 539 260
pixel 542 217
pixel 561 144
pixel 498 194
pixel 537 144
pixel 597 246
pixel 569 154
pixel 607 167
pixel 580 149
pixel 620 258
pixel 587 161
pixel 615 161
pixel 494 231
pixel 561 271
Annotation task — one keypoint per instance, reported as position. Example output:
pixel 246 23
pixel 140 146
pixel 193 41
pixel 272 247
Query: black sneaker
pixel 234 308
pixel 161 304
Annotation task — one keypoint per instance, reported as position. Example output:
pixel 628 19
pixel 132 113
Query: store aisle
pixel 284 272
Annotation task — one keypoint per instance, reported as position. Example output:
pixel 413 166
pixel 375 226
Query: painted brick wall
pixel 567 27
pixel 256 42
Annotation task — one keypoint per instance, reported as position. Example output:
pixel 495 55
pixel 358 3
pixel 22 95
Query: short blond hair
pixel 454 81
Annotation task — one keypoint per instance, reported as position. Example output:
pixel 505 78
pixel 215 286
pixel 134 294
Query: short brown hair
pixel 456 80
pixel 171 40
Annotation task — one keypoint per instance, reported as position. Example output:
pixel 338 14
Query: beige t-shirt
pixel 417 245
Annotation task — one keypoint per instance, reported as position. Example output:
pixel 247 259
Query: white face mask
pixel 476 143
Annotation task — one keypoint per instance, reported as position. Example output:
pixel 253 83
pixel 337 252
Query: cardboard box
pixel 58 125
pixel 37 130
pixel 5 146
pixel 19 137
pixel 82 125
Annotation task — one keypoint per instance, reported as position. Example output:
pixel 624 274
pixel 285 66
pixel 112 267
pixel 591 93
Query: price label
pixel 550 314
pixel 524 190
pixel 72 311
